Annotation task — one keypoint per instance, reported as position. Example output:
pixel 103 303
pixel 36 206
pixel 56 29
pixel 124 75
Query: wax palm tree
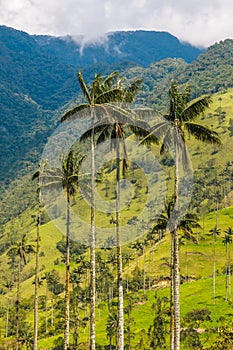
pixel 8 284
pixel 227 240
pixel 20 250
pixel 101 92
pixel 118 122
pixel 127 257
pixel 179 121
pixel 215 232
pixel 68 176
pixel 185 226
pixel 100 98
pixel 36 175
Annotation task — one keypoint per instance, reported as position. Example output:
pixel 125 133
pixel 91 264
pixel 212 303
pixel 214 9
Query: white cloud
pixel 197 21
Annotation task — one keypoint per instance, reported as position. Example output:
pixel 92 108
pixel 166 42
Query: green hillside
pixel 146 261
pixel 196 290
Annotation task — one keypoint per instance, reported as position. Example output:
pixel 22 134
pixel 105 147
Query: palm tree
pixel 127 257
pixel 20 250
pixel 68 175
pixel 119 121
pixel 227 240
pixel 97 96
pixel 103 93
pixel 36 175
pixel 181 117
pixel 214 232
pixel 186 226
pixel 9 284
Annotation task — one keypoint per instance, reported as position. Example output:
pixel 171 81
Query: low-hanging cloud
pixel 198 22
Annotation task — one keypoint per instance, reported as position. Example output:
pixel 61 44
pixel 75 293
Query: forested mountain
pixel 38 80
pixel 38 83
pixel 140 47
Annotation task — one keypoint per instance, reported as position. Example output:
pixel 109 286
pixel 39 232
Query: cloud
pixel 198 22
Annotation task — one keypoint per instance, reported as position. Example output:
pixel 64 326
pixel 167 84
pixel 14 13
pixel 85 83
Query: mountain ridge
pixel 119 45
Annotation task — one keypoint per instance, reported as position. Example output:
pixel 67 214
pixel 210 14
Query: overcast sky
pixel 199 22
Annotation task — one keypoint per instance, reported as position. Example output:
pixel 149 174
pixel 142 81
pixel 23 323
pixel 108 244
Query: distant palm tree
pixel 20 250
pixel 8 284
pixel 214 232
pixel 68 175
pixel 185 226
pixel 127 257
pixel 181 117
pixel 102 92
pixel 227 240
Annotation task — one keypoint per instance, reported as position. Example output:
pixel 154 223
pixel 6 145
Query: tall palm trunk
pixel 176 286
pixel 228 273
pixel 7 319
pixel 120 341
pixel 36 273
pixel 93 238
pixel 176 260
pixel 214 274
pixel 172 294
pixel 17 304
pixel 67 278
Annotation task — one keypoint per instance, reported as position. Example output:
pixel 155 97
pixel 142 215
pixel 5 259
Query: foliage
pixel 159 330
pixel 76 248
pixel 225 338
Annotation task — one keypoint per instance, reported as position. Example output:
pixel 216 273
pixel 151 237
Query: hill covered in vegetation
pixel 37 86
pixel 204 252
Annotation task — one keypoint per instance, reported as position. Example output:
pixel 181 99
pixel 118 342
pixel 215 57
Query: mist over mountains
pixel 140 47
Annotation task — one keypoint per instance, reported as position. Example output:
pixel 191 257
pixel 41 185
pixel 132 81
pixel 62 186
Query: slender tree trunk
pixel 7 319
pixel 46 310
pixel 227 267
pixel 17 304
pixel 120 342
pixel 176 262
pixel 144 270
pixel 172 295
pixel 52 309
pixel 67 281
pixel 176 292
pixel 36 274
pixel 228 273
pixel 93 238
pixel 214 274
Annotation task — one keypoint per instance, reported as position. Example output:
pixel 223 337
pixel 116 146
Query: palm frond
pixel 71 114
pixel 194 108
pixel 186 93
pixel 110 79
pixel 113 95
pixel 131 90
pixel 104 134
pixel 95 88
pixel 203 133
pixel 99 127
pixel 168 142
pixel 83 87
pixel 141 130
pixel 156 132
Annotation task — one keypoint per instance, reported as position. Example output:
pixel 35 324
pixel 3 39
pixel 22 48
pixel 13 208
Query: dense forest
pixel 125 245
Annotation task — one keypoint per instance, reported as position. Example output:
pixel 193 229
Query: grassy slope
pixel 196 260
